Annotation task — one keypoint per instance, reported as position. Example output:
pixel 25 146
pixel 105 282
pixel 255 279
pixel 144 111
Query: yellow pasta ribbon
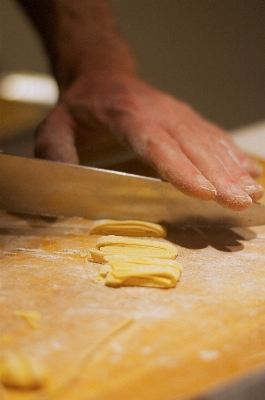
pixel 117 261
pixel 140 271
pixel 120 245
pixel 19 371
pixel 31 317
pixel 127 228
pixel 97 256
pixel 159 277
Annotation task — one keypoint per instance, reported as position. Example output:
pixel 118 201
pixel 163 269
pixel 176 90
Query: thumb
pixel 56 137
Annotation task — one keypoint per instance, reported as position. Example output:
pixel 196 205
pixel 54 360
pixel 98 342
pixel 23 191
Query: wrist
pixel 86 42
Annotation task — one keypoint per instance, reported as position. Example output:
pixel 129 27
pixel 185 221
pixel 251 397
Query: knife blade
pixel 246 387
pixel 48 188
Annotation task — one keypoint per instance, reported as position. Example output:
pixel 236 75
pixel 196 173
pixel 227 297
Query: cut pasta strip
pixel 139 271
pixel 119 245
pixel 127 228
pixel 97 256
pixel 116 261
pixel 134 261
pixel 31 317
pixel 156 276
pixel 20 371
pixel 103 272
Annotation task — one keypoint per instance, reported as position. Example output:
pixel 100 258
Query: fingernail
pixel 237 192
pixel 251 186
pixel 205 184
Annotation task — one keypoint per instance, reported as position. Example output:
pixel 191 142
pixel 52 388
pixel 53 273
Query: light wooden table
pixel 175 344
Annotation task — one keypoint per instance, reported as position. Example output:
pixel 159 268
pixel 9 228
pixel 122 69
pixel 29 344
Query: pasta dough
pixel 20 371
pixel 132 253
pixel 136 262
pixel 160 277
pixel 31 317
pixel 140 271
pixel 127 228
pixel 131 246
pixel 117 261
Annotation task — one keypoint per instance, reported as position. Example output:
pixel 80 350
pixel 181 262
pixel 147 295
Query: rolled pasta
pixel 133 246
pixel 127 228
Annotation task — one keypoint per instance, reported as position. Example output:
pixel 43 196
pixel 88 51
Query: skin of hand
pixel 196 156
pixel 193 154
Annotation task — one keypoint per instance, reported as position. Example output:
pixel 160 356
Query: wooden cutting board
pixel 129 343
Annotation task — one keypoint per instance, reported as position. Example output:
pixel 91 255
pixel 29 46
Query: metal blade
pixel 244 388
pixel 32 186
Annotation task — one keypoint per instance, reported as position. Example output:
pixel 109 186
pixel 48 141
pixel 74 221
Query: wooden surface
pixel 176 343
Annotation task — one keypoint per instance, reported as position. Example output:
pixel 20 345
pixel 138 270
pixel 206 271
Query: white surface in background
pixel 29 88
pixel 251 138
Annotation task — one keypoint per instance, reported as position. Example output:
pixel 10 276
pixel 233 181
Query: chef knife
pixel 32 186
pixel 244 388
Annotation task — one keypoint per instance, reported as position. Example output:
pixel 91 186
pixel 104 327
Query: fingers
pixel 198 158
pixel 218 159
pixel 199 161
pixel 56 138
pixel 252 167
pixel 157 148
pixel 231 159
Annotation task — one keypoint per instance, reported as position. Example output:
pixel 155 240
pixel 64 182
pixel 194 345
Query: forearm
pixel 80 36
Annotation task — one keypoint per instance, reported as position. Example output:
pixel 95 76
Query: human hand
pixel 196 156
